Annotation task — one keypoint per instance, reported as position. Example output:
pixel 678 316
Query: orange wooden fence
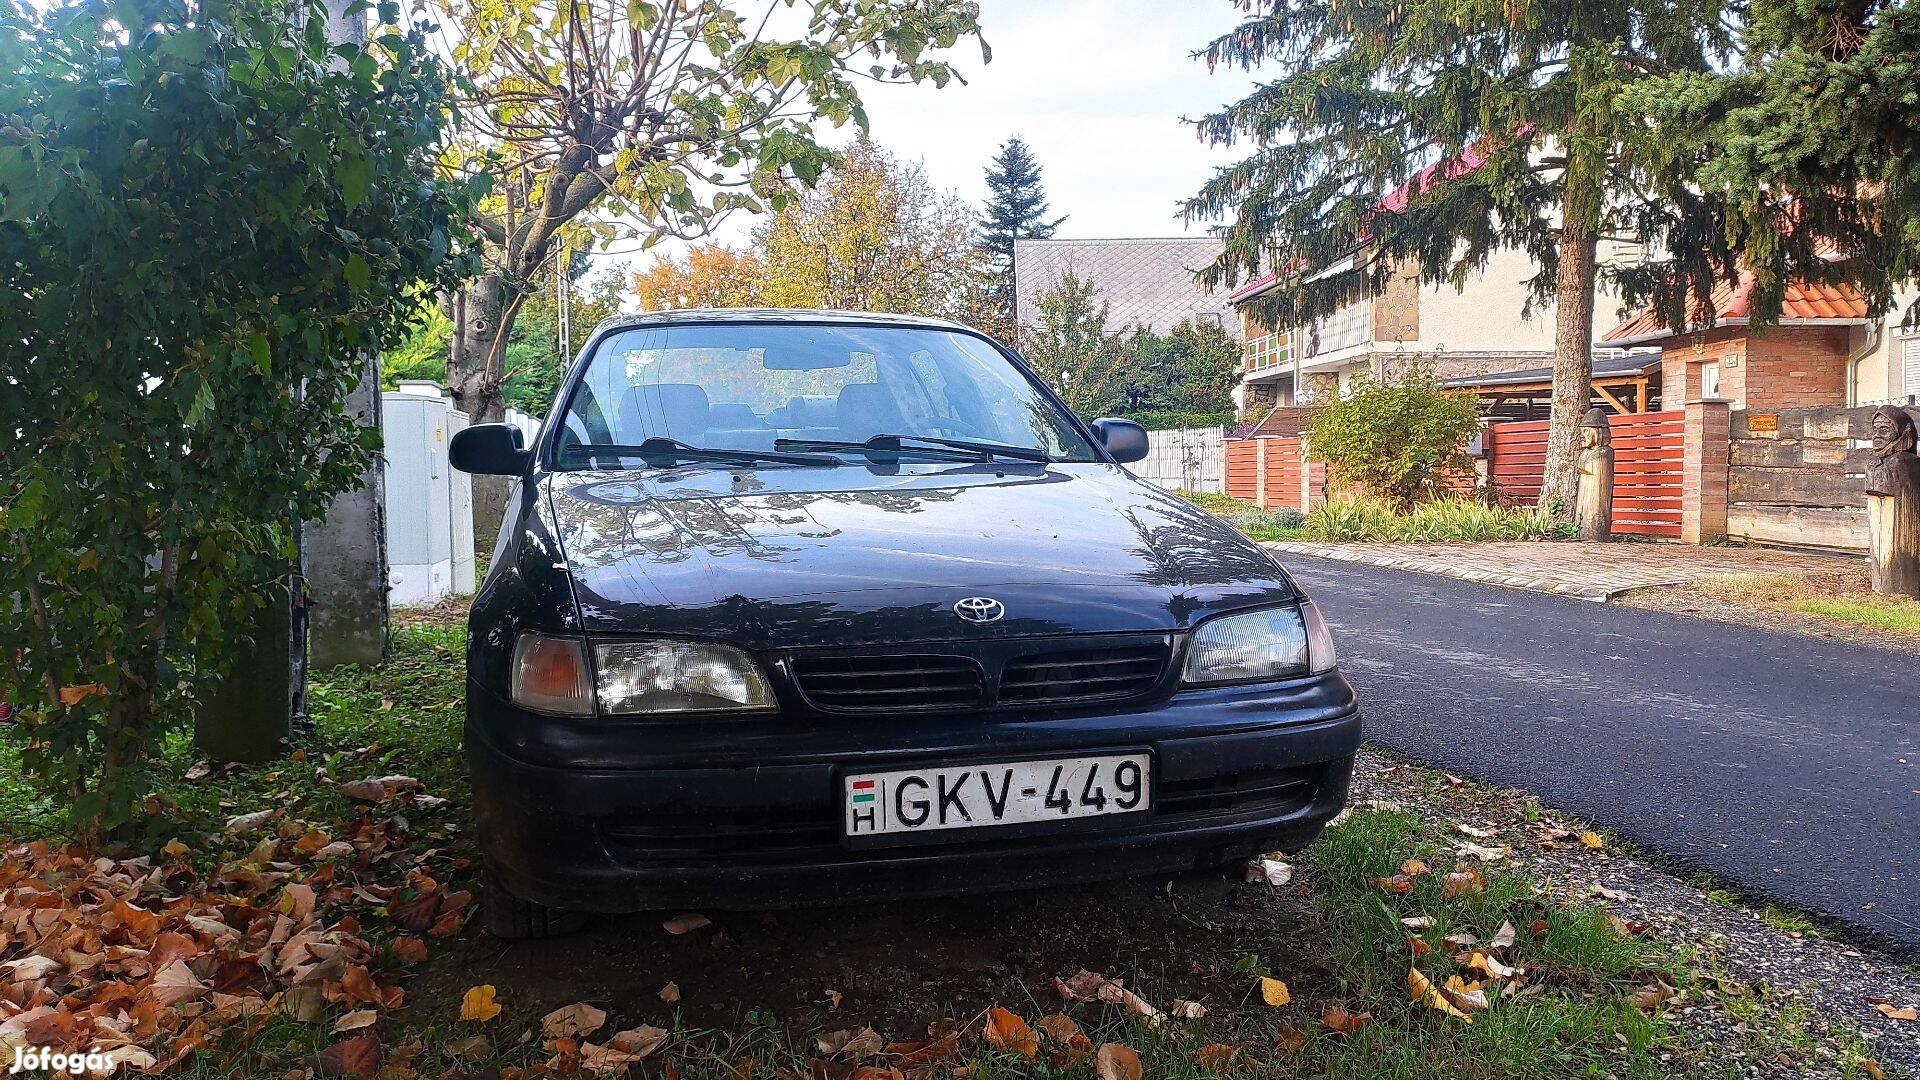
pixel 1243 468
pixel 1648 472
pixel 1647 468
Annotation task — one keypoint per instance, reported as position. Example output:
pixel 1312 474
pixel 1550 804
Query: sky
pixel 1096 88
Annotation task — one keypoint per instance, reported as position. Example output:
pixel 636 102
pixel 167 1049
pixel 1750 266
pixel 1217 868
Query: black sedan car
pixel 796 607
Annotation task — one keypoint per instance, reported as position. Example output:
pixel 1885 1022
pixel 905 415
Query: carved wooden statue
pixel 1893 503
pixel 1594 504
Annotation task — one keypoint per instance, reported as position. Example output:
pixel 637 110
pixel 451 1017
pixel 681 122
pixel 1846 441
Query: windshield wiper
pixel 658 449
pixel 894 444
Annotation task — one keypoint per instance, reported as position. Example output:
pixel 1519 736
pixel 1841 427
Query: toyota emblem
pixel 980 609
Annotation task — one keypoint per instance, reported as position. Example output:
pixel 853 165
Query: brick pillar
pixel 1260 473
pixel 1703 501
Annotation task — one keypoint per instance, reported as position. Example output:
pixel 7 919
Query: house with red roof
pixel 1824 350
pixel 1482 335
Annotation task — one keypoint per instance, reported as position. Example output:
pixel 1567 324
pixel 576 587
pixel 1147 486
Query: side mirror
pixel 490 450
pixel 1124 439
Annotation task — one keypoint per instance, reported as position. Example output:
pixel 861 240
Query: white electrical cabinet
pixel 429 504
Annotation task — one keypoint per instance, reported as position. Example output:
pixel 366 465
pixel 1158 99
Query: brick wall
pixel 1796 367
pixel 1786 367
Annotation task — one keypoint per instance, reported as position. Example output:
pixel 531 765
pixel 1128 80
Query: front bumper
pixel 620 816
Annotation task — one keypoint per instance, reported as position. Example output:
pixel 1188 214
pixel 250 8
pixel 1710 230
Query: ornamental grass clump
pixel 1353 518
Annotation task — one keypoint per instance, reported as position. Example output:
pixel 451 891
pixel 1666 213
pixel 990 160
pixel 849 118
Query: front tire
pixel 511 918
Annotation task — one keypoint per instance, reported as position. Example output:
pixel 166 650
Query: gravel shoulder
pixel 1797 1001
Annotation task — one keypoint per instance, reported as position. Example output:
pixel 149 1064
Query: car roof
pixel 798 316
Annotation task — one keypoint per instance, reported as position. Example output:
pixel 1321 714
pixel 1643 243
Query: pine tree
pixel 1016 210
pixel 1812 141
pixel 1518 103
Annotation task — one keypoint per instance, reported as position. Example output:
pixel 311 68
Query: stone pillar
pixel 1305 502
pixel 1703 500
pixel 346 552
pixel 1320 386
pixel 1257 399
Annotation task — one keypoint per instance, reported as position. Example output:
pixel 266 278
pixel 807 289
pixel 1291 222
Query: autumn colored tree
pixel 709 275
pixel 1517 108
pixel 598 116
pixel 876 235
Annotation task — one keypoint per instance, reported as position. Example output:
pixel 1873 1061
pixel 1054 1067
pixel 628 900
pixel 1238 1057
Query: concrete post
pixel 1305 502
pixel 346 551
pixel 253 713
pixel 1703 499
pixel 1260 473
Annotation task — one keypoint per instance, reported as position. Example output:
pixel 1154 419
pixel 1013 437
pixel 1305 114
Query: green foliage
pixel 1810 142
pixel 1181 379
pixel 202 226
pixel 534 362
pixel 1167 419
pixel 1255 520
pixel 423 355
pixel 1016 210
pixel 1444 521
pixel 605 120
pixel 1369 95
pixel 1396 439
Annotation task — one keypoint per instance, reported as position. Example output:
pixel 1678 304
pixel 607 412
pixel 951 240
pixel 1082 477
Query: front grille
pixel 891 682
pixel 667 837
pixel 1275 791
pixel 1080 675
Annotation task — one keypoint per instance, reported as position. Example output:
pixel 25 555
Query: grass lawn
pixel 1845 602
pixel 754 994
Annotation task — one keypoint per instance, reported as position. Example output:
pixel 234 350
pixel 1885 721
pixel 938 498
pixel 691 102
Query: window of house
pixel 1710 379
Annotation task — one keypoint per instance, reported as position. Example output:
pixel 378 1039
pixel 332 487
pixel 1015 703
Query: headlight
pixel 639 677
pixel 633 678
pixel 1277 643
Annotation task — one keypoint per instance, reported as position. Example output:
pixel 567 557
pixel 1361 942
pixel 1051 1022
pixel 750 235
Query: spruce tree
pixel 1812 141
pixel 1518 104
pixel 1016 210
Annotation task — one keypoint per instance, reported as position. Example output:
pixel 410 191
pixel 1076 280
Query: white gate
pixel 1185 459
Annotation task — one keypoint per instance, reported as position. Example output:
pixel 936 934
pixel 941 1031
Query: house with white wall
pixel 1483 328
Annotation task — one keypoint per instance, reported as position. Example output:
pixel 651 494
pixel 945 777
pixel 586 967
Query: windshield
pixel 745 386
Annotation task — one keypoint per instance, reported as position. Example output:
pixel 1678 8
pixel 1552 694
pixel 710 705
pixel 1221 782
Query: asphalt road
pixel 1786 764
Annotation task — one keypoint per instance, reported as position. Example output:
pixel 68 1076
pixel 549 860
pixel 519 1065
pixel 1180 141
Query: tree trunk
pixel 1572 361
pixel 476 374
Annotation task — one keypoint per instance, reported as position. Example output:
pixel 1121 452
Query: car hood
pixel 787 557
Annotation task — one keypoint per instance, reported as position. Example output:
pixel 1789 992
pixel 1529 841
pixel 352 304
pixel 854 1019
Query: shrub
pixel 1285 519
pixel 204 224
pixel 1167 419
pixel 1396 440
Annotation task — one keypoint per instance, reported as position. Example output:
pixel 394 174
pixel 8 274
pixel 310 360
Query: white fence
pixel 1185 459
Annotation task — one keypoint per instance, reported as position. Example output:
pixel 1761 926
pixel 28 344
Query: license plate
pixel 978 796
